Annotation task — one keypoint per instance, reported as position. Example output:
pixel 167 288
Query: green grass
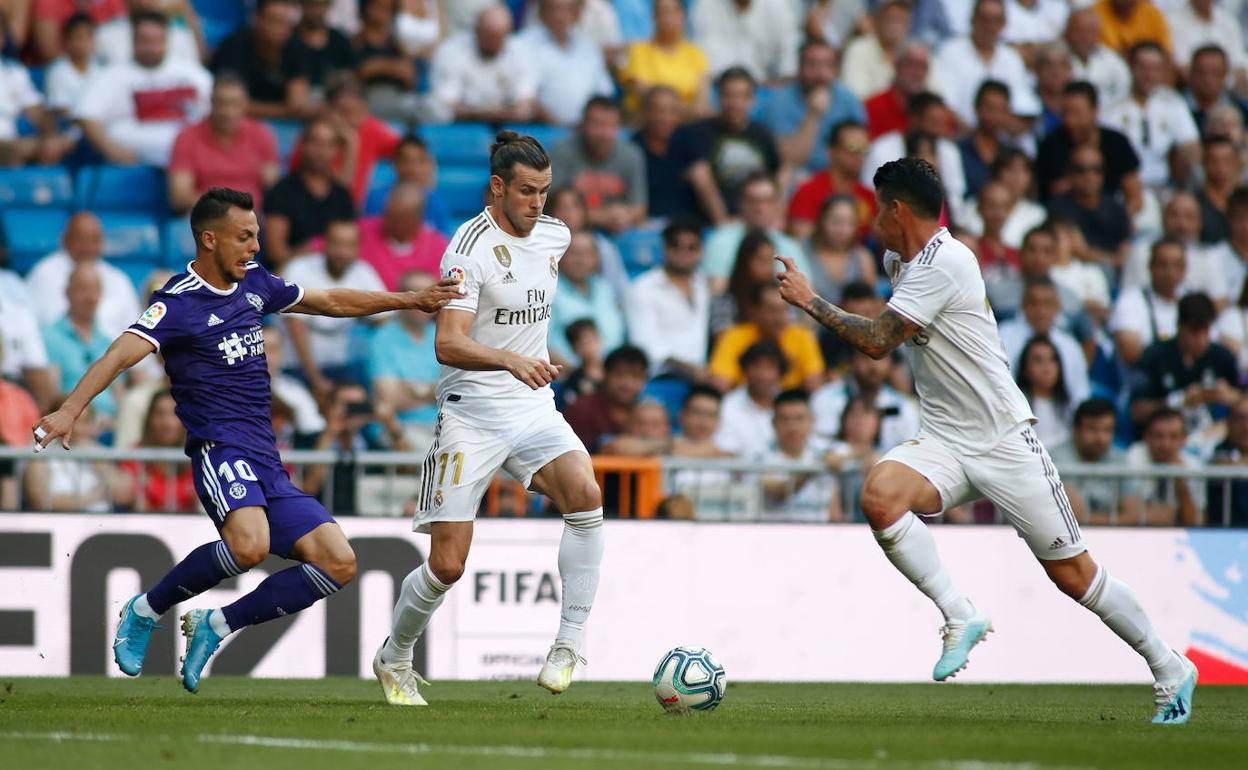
pixel 148 724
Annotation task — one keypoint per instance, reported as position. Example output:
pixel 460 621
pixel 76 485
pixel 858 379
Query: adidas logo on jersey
pixel 213 320
pixel 509 278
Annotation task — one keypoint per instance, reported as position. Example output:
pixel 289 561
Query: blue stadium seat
pixel 32 233
pixel 640 250
pixel 379 186
pixel 219 18
pixel 670 392
pixel 549 136
pixel 36 186
pixel 179 243
pixel 132 243
pixel 287 133
pixel 463 144
pixel 462 190
pixel 121 188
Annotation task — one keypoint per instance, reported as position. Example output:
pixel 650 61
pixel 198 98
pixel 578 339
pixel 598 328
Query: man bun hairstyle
pixel 511 149
pixel 213 205
pixel 914 182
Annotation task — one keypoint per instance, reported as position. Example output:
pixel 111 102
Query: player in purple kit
pixel 206 323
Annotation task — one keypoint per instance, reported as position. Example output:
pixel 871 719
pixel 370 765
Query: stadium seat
pixel 121 188
pixel 463 144
pixel 670 392
pixel 379 186
pixel 287 134
pixel 640 250
pixel 219 18
pixel 462 190
pixel 32 233
pixel 132 243
pixel 178 243
pixel 36 186
pixel 549 136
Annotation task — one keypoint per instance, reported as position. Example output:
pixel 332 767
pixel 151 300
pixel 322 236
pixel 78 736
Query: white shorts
pixel 1016 475
pixel 466 455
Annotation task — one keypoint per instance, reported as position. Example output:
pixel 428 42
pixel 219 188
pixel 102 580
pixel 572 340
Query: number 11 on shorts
pixel 458 460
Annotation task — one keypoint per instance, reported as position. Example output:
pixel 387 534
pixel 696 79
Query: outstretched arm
pixel 877 337
pixel 352 303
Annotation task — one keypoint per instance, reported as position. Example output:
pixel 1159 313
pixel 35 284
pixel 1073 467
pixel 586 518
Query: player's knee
pixel 340 566
pixel 1070 577
pixel 881 503
pixel 583 495
pixel 248 549
pixel 447 569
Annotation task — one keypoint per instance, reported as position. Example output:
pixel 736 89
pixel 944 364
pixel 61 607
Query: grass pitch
pixel 150 723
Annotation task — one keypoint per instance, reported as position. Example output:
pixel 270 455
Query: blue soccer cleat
pixel 959 637
pixel 1174 699
pixel 201 643
pixel 133 633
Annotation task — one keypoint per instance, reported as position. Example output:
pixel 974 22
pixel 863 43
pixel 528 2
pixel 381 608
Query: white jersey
pixel 967 397
pixel 509 283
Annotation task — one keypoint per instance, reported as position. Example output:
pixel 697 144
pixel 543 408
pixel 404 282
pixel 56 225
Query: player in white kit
pixel 497 411
pixel 975 437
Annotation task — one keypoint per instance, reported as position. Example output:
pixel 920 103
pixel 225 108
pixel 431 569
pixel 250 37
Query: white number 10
pixel 244 471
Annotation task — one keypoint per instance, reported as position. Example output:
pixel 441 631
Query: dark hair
pixel 577 328
pixel 76 20
pixel 1143 47
pixel 1162 414
pixel 1082 88
pixel 916 140
pixel 991 87
pixel 764 350
pixel 262 4
pixel 1163 241
pixel 739 281
pixel 1216 140
pixel 1094 408
pixel 813 42
pixel 148 17
pixel 1196 311
pixel 1006 157
pixel 857 290
pixel 558 193
pixel 411 140
pixel 735 73
pixel 342 82
pixel 759 289
pixel 701 390
pixel 228 78
pixel 1061 394
pixel 679 226
pixel 626 355
pixel 754 177
pixel 1041 229
pixel 922 102
pixel 511 149
pixel 1209 48
pixel 654 91
pixel 912 181
pixel 600 103
pixel 1039 282
pixel 980 3
pixel 834 134
pixel 1085 149
pixel 340 222
pixel 850 403
pixel 213 205
pixel 817 239
pixel 791 396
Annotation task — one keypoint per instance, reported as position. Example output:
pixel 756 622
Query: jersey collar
pixel 503 233
pixel 190 268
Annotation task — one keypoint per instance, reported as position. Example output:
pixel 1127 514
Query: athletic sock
pixel 1116 604
pixel 202 569
pixel 282 593
pixel 909 545
pixel 421 594
pixel 580 562
pixel 142 607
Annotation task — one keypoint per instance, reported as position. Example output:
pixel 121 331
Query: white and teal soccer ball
pixel 689 679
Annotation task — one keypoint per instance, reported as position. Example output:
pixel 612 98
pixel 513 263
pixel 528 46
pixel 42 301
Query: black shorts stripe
pixel 1055 485
pixel 473 226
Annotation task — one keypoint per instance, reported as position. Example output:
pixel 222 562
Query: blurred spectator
pixel 610 173
pixel 57 482
pixel 49 17
pixel 1232 451
pixel 866 380
pixel 132 111
pixel 82 244
pixel 1190 372
pixel 419 27
pixel 1207 84
pixel 837 257
pixel 735 146
pixel 1041 309
pixel 22 99
pixel 586 343
pixel 855 449
pixel 225 149
pixel 583 293
pixel 647 434
pixel 746 412
pixel 1150 313
pixel 75 341
pixel 353 424
pixel 597 21
pixel 803 113
pixel 403 369
pixel 1222 172
pixel 461 15
pixel 771 320
pixel 699 421
pixel 669 306
pixel 760 207
pixel 834 21
pixel 401 239
pixel 1041 380
pixel 754 266
pixel 1074 271
pixel 1209 268
pixel 670 60
pixel 926 113
pixel 605 412
pixel 1197 24
pixel 68 76
pixel 322 344
pixel 325 49
pixel 964 63
pixel 567 204
pixel 384 69
pixel 24 359
pixel 1225 120
pixel 887 109
pixel 114 39
pixel 1154 117
pixel 991 132
pixel 157 487
pixel 1128 23
pixel 847 145
pixel 860 299
pixel 277 74
pixel 679 181
pixel 1100 216
pixel 1090 60
pixel 761 36
pixel 1094 500
pixel 997 259
pixel 484 74
pixel 1029 23
pixel 306 420
pixel 569 67
pixel 1164 502
pixel 1231 330
pixel 1081 127
pixel 867 62
pixel 1035 261
pixel 794 495
pixel 18 411
pixel 414 164
pixel 303 202
pixel 1052 76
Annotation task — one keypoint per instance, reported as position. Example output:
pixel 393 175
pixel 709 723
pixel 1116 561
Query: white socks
pixel 141 607
pixel 909 545
pixel 421 594
pixel 221 627
pixel 580 559
pixel 1115 603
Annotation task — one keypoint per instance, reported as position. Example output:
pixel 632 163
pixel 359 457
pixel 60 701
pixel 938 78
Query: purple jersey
pixel 213 346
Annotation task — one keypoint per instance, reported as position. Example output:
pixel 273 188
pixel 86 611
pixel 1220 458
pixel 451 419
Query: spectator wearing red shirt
pixel 50 17
pixel 226 149
pixel 605 412
pixel 847 147
pixel 886 111
pixel 400 240
pixel 158 486
pixel 366 139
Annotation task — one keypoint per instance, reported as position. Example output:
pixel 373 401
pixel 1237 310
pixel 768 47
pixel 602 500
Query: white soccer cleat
pixel 958 637
pixel 1174 699
pixel 399 682
pixel 556 673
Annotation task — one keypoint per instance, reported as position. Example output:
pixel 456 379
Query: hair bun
pixel 505 137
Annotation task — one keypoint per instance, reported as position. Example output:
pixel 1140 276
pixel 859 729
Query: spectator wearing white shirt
pixel 19 98
pixel 1093 62
pixel 964 63
pixel 484 74
pixel 670 306
pixel 1084 277
pixel 308 421
pixel 790 495
pixel 867 62
pixel 1164 502
pixel 1150 314
pixel 82 243
pixel 23 357
pixel 569 67
pixel 114 38
pixel 762 36
pixel 1041 310
pixel 132 111
pixel 1206 265
pixel 1032 22
pixel 1040 376
pixel 596 20
pixel 1155 117
pixel 1198 23
pixel 1231 330
pixel 926 114
pixel 67 77
pixel 867 379
pixel 746 411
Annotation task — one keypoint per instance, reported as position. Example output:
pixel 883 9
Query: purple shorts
pixel 228 477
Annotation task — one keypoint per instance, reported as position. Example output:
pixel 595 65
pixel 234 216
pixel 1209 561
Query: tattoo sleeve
pixel 876 337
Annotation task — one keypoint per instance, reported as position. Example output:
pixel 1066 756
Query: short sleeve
pixel 183 156
pixel 924 291
pixel 161 323
pixel 280 295
pixel 469 274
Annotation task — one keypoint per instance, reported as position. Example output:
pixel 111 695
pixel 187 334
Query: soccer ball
pixel 689 679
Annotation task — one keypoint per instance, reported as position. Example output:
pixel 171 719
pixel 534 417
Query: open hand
pixel 794 285
pixel 431 299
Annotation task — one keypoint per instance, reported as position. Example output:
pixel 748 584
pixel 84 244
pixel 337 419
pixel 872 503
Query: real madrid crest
pixel 554 267
pixel 502 255
pixel 437 498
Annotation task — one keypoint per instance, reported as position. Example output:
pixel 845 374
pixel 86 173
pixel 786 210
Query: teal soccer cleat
pixel 959 637
pixel 201 643
pixel 133 633
pixel 1174 699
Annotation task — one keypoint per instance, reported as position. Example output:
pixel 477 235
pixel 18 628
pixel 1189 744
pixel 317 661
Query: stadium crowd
pixel 1094 157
